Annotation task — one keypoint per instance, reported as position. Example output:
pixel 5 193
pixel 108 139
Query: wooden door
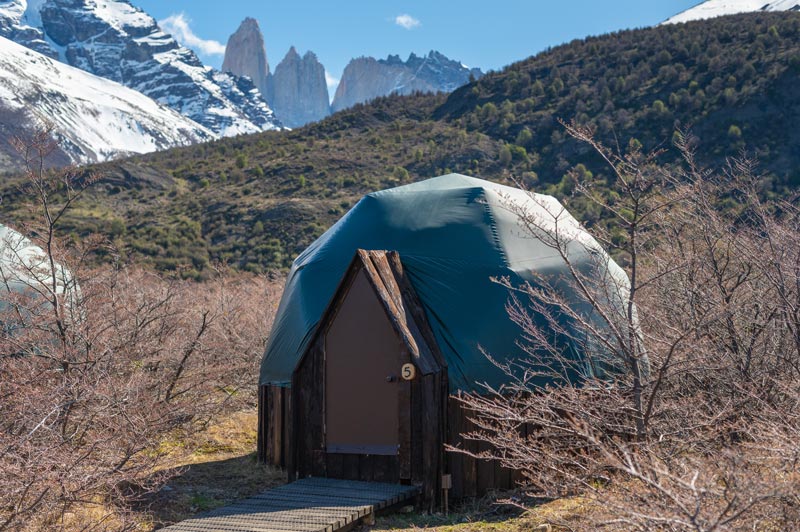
pixel 363 359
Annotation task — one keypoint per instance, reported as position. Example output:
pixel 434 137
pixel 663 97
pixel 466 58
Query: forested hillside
pixel 255 201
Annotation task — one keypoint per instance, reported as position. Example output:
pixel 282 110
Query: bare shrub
pixel 98 366
pixel 701 433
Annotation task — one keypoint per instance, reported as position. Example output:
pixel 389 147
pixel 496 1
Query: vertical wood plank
pixel 417 467
pixel 319 389
pixel 287 425
pixel 502 477
pixel 293 460
pixel 350 470
pixel 430 450
pixel 261 451
pixel 516 476
pixel 379 468
pixel 392 470
pixel 319 466
pixel 290 447
pixel 270 427
pixel 486 469
pixel 440 401
pixel 405 429
pixel 366 468
pixel 335 463
pixel 456 459
pixel 386 469
pixel 276 394
pixel 470 465
pixel 307 418
pixel 305 447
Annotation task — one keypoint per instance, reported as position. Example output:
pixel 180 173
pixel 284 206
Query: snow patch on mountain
pixel 118 41
pixel 94 119
pixel 718 8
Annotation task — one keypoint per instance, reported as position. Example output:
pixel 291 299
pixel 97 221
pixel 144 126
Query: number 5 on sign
pixel 408 371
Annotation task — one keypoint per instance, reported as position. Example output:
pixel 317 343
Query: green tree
pixel 524 138
pixel 505 157
pixel 400 174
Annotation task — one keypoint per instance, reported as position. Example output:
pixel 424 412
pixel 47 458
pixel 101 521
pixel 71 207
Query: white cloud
pixel 407 21
pixel 332 83
pixel 178 26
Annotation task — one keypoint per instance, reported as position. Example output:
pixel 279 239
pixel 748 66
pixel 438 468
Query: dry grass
pixel 213 468
pixel 491 515
pixel 219 466
pixel 216 467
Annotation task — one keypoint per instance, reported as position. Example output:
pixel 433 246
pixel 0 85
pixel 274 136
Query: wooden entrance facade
pixel 369 398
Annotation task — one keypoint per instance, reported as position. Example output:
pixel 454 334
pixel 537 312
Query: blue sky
pixel 485 34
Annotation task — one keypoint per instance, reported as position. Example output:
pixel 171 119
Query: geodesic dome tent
pixel 25 269
pixel 426 253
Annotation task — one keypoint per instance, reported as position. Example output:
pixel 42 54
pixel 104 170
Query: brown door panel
pixel 363 356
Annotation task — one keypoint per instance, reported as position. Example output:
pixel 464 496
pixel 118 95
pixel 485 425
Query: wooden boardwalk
pixel 307 505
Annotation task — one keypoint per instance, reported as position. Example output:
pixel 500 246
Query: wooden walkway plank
pixel 257 524
pixel 273 508
pixel 226 524
pixel 276 506
pixel 307 505
pixel 291 516
pixel 323 494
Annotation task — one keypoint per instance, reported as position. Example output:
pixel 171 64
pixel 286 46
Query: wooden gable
pixel 387 277
pixel 421 406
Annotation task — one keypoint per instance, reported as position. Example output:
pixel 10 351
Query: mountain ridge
pixel 93 119
pixel 246 55
pixel 118 41
pixel 718 8
pixel 297 89
pixel 255 201
pixel 365 78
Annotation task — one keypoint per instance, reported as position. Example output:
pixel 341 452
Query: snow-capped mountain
pixel 365 78
pixel 118 41
pixel 718 8
pixel 94 119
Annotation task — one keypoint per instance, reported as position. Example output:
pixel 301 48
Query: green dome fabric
pixel 453 233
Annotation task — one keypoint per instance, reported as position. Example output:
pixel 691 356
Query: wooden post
pixel 447 483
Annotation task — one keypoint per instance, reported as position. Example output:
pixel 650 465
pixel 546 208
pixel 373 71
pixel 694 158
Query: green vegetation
pixel 731 80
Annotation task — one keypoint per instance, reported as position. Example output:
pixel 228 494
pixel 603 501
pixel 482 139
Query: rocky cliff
pixel 296 91
pixel 366 78
pixel 299 90
pixel 117 41
pixel 246 55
